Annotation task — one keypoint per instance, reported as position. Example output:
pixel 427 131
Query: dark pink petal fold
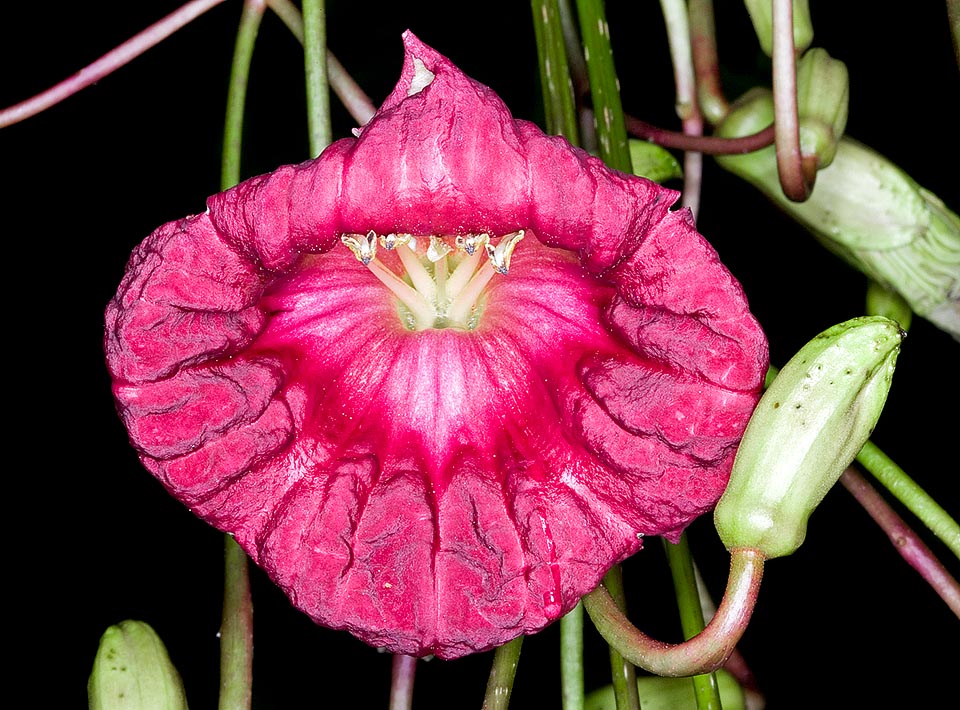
pixel 439 490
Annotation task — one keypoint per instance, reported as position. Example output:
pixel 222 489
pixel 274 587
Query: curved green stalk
pixel 571 659
pixel 237 92
pixel 703 653
pixel 705 687
pixel 315 59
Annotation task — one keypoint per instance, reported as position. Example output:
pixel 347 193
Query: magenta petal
pixel 441 490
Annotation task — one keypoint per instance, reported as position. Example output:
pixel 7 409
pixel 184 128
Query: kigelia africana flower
pixel 438 380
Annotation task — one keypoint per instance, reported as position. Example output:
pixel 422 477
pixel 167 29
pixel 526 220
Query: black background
pixel 91 538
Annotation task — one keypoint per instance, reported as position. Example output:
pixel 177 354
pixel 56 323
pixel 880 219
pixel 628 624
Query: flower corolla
pixel 438 380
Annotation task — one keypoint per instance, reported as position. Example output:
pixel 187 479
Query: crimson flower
pixel 439 379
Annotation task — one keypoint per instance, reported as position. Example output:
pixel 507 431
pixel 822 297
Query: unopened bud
pixel 867 211
pixel 132 671
pixel 807 428
pixel 823 97
pixel 761 14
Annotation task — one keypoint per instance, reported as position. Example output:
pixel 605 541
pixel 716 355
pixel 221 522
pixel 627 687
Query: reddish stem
pixel 108 63
pixel 904 539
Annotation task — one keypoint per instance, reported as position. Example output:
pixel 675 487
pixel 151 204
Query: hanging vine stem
pixel 688 107
pixel 705 652
pixel 401 682
pixel 108 63
pixel 796 175
pixel 347 90
pixel 904 539
pixel 706 63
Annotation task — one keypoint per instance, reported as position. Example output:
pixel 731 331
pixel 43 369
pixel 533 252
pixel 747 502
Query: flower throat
pixel 443 284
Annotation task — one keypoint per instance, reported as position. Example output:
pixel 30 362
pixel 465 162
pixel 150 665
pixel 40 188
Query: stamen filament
pixel 459 310
pixel 422 281
pixel 415 302
pixel 462 273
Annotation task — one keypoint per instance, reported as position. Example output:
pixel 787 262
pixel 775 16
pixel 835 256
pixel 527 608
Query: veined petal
pixel 443 485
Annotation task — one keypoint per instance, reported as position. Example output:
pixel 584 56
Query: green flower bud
pixel 867 211
pixel 761 14
pixel 823 97
pixel 132 671
pixel 658 693
pixel 807 428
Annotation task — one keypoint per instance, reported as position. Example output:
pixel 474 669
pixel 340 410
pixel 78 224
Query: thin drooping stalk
pixel 236 630
pixel 687 106
pixel 705 652
pixel 319 130
pixel 108 63
pixel 794 179
pixel 401 682
pixel 622 672
pixel 237 91
pixel 571 659
pixel 706 64
pixel 706 690
pixel 353 98
pixel 904 539
pixel 502 673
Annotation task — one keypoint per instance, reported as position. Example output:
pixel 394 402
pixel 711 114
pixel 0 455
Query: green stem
pixel 623 674
pixel 319 129
pixel 571 659
pixel 705 652
pixel 604 88
pixel 685 584
pixel 354 99
pixel 502 673
pixel 917 501
pixel 236 631
pixel 237 91
pixel 558 100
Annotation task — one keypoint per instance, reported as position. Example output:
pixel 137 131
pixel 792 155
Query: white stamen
pixel 500 255
pixel 470 242
pixel 419 276
pixel 364 247
pixel 438 249
pixel 434 291
pixel 392 241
